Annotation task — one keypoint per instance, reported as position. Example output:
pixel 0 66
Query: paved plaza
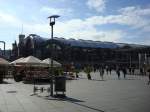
pixel 109 95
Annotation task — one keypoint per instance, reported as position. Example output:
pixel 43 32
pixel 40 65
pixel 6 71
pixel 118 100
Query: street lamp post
pixel 52 23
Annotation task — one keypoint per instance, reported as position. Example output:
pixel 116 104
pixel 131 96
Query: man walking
pixel 124 72
pixel 148 76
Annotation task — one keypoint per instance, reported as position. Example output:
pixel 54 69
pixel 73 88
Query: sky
pixel 121 21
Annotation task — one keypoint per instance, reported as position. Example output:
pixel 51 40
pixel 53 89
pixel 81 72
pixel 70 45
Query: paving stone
pixel 109 95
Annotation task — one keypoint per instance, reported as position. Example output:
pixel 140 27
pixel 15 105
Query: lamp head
pixel 54 16
pixel 52 19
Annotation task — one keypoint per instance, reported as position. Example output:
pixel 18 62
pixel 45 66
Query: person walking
pixel 107 69
pixel 101 73
pixel 148 76
pixel 124 71
pixel 130 70
pixel 118 72
pixel 141 72
pixel 110 69
pixel 133 71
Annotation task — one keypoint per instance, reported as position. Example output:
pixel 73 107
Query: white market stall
pixel 48 61
pixel 29 68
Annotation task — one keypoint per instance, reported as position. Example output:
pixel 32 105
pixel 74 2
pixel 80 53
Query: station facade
pixel 78 51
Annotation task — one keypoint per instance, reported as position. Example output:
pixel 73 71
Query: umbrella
pixel 48 62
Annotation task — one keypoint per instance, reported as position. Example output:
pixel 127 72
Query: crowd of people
pixel 119 69
pixel 109 69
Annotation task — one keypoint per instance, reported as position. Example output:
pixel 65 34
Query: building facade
pixel 78 51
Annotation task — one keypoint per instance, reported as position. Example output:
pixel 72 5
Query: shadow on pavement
pixel 69 99
pixel 89 107
pixel 97 80
pixel 5 82
pixel 76 102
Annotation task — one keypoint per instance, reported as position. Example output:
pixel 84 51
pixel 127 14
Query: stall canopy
pixel 3 62
pixel 30 60
pixel 48 62
pixel 15 62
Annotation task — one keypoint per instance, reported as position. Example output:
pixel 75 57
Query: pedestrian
pixel 130 70
pixel 124 71
pixel 118 72
pixel 107 69
pixel 110 69
pixel 141 71
pixel 101 73
pixel 148 76
pixel 133 71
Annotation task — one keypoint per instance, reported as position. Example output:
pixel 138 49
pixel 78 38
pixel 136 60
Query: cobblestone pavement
pixel 109 95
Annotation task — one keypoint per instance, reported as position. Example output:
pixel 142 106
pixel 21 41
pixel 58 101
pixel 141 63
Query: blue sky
pixel 125 21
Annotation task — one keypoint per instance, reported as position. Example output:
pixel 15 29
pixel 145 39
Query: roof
pixel 87 43
pixel 36 38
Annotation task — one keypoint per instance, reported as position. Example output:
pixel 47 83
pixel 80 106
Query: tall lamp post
pixel 52 23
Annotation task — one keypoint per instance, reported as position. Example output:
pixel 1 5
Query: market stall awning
pixel 48 62
pixel 30 60
pixel 15 62
pixel 3 62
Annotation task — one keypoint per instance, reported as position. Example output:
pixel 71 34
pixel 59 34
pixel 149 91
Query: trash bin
pixel 60 84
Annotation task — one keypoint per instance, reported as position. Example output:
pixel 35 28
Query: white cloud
pixel 137 17
pixel 98 5
pixel 58 11
pixel 80 29
pixel 8 19
pixel 132 17
pixel 75 28
pixel 135 10
pixel 112 35
pixel 85 29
